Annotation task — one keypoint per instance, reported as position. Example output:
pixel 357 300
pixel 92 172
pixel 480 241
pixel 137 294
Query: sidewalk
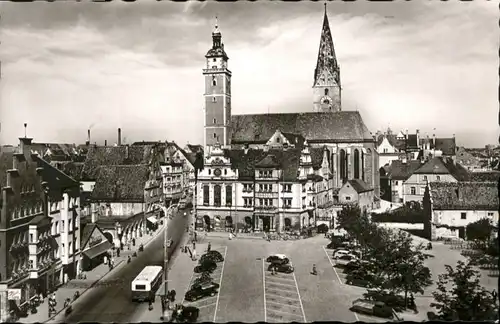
pixel 69 289
pixel 254 236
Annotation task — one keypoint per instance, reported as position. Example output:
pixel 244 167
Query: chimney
pixel 418 137
pixel 88 138
pixel 119 136
pixel 126 152
pixel 25 145
pixel 105 142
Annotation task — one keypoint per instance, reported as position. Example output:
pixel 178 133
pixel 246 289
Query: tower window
pixel 214 81
pixel 214 99
pixel 326 92
pixel 215 135
pixel 215 60
pixel 215 121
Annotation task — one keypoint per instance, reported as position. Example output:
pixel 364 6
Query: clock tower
pixel 326 87
pixel 217 95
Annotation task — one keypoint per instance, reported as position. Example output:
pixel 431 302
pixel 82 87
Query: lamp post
pixel 166 211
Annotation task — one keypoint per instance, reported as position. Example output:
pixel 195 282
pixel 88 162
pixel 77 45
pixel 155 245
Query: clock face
pixel 217 172
pixel 326 100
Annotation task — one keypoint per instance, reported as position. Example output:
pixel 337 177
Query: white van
pixel 146 283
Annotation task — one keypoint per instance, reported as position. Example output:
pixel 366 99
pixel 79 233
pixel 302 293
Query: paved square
pixel 281 297
pixel 208 305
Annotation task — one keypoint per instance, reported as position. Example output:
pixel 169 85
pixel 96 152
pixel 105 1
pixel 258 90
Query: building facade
pixel 358 192
pixel 437 169
pixel 39 225
pixel 457 204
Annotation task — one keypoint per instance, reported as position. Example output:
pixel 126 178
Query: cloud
pixel 413 65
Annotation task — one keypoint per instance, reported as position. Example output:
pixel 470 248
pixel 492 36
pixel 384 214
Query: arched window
pixel 326 92
pixel 229 195
pixel 356 164
pixel 214 81
pixel 217 195
pixel 343 165
pixel 363 166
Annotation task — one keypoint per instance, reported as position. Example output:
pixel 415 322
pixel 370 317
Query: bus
pixel 147 282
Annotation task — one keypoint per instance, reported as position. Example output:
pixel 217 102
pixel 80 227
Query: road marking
pixel 333 266
pixel 280 304
pixel 187 289
pixel 203 306
pixel 283 290
pixel 300 299
pixel 277 311
pixel 220 283
pixel 270 276
pixel 279 296
pixel 264 287
pixel 281 284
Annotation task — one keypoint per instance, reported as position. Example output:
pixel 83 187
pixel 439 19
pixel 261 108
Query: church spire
pixel 326 86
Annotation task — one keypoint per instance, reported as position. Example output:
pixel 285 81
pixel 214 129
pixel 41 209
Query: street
pixel 114 303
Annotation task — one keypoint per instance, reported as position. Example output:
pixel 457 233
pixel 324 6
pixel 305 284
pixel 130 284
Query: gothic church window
pixel 356 164
pixel 343 165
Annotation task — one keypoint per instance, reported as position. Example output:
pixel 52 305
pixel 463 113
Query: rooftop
pixel 464 195
pixel 120 183
pixel 402 171
pixel 343 126
pixel 443 165
pixel 359 185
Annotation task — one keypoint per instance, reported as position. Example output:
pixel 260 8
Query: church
pixel 276 172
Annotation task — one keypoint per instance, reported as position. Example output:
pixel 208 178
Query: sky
pixel 69 66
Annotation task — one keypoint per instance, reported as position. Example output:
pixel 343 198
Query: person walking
pixel 195 236
pixel 209 247
pixel 194 255
pixel 314 271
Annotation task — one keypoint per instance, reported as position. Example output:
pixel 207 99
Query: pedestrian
pixel 105 259
pixel 194 245
pixel 314 271
pixel 133 241
pixel 194 255
pixel 494 294
pixel 150 305
pixel 209 247
pixel 230 236
pixel 195 236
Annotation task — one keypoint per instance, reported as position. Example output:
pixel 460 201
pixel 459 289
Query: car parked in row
pixel 205 266
pixel 212 255
pixel 284 268
pixel 200 291
pixel 278 259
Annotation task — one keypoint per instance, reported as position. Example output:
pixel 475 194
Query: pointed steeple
pixel 217 49
pixel 327 60
pixel 326 86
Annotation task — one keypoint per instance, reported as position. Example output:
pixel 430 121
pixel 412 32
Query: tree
pixel 404 266
pixel 349 218
pixel 460 296
pixel 480 230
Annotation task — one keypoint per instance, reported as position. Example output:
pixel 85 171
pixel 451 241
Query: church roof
pixel 327 60
pixel 333 127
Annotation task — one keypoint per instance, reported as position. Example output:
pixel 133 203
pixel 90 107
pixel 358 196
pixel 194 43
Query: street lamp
pixel 165 256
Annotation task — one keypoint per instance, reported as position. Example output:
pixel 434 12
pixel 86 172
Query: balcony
pixel 266 194
pixel 247 190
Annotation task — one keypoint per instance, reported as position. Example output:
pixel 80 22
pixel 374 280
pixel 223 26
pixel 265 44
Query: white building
pixel 454 205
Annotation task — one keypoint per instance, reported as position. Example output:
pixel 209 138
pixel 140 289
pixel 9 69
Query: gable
pixel 95 237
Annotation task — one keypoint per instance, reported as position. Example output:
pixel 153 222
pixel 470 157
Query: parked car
pixel 186 314
pixel 201 291
pixel 205 266
pixel 285 268
pixel 205 278
pixel 338 253
pixel 368 307
pixel 213 255
pixel 278 259
pixel 345 259
pixel 322 228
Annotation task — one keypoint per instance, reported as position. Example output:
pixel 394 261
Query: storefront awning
pixel 152 219
pixel 98 249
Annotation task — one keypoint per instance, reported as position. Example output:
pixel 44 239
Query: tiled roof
pixel 392 139
pixel 86 233
pixel 120 183
pixel 40 221
pixel 412 141
pixel 269 161
pixel 294 139
pixel 492 176
pixel 440 165
pixel 402 171
pixel 245 163
pixel 464 195
pixel 73 169
pixel 57 180
pixel 107 156
pixel 195 148
pixel 446 145
pixel 316 156
pixel 315 127
pixel 359 185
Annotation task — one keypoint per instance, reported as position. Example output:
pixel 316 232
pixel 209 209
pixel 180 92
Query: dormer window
pixel 277 139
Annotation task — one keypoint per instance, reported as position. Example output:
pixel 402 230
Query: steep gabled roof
pixel 446 145
pixel 269 161
pixel 120 183
pixel 392 139
pixel 294 139
pixel 402 171
pixel 464 195
pixel 98 156
pixel 359 185
pixel 412 141
pixel 491 176
pixel 6 163
pixel 342 126
pixel 440 165
pixel 57 180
